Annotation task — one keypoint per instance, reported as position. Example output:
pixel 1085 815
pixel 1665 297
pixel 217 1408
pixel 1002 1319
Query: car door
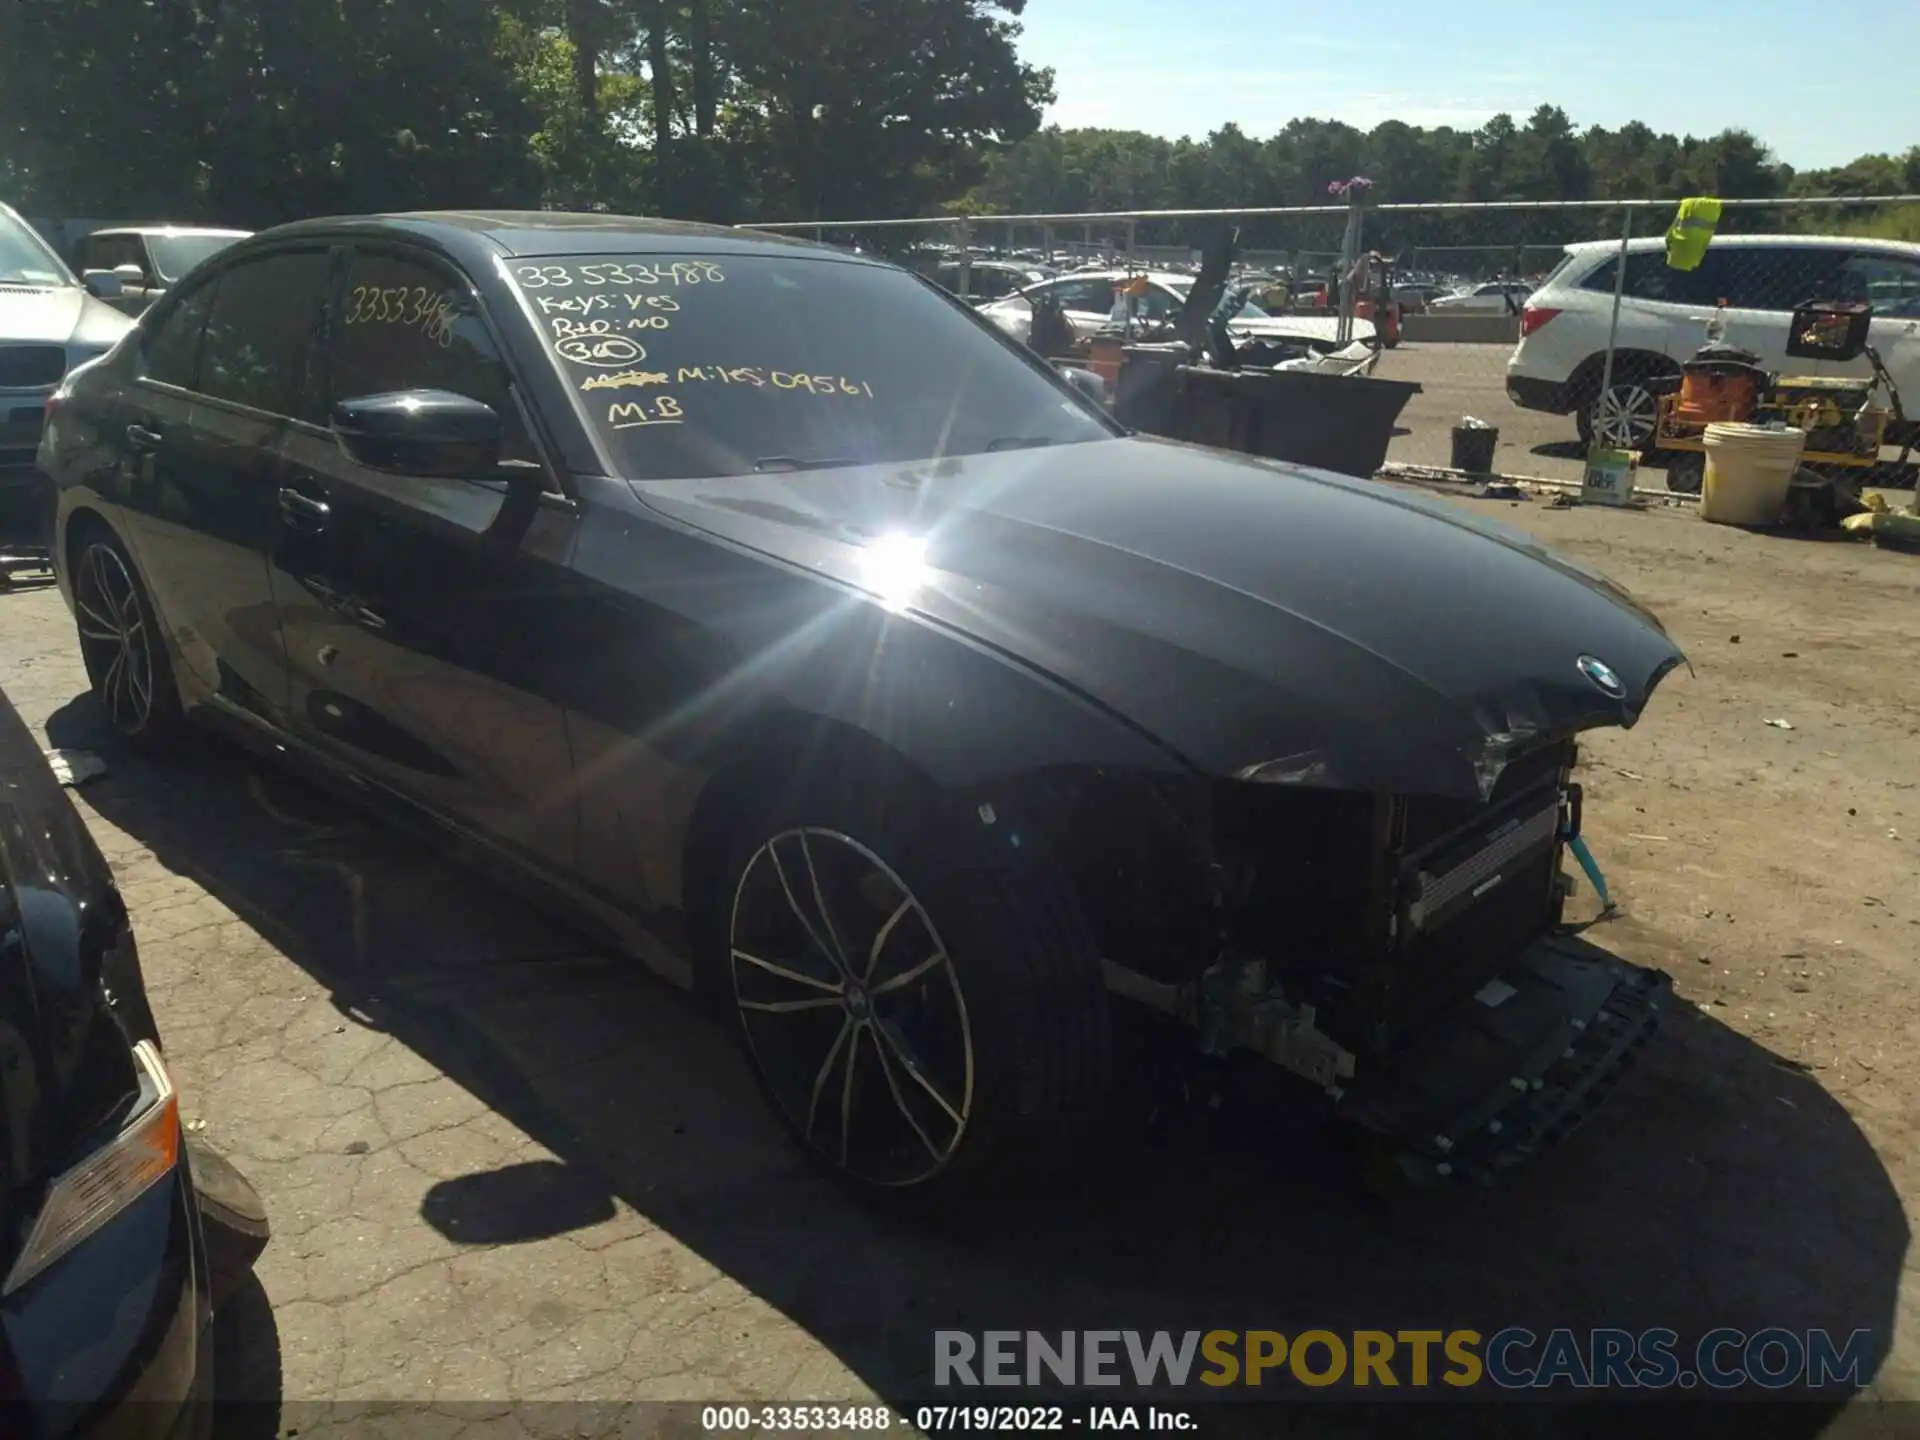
pixel 202 502
pixel 1761 285
pixel 1085 300
pixel 419 610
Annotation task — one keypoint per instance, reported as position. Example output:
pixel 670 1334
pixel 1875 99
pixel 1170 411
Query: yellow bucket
pixel 1749 471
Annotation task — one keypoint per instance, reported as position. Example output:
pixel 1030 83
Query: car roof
pixel 1158 277
pixel 168 230
pixel 477 234
pixel 1584 248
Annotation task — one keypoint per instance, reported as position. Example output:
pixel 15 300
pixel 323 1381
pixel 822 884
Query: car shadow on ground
pixel 1721 1187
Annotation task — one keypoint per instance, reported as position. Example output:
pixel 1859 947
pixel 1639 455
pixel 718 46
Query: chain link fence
pixel 1507 312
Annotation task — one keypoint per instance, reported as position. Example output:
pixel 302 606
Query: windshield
pixel 1247 311
pixel 25 258
pixel 174 255
pixel 691 366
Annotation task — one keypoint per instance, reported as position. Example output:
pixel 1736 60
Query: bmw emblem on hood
pixel 1603 676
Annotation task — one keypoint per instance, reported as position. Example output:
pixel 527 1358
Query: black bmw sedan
pixel 788 623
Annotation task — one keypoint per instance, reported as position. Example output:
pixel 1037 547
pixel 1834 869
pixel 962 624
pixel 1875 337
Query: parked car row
pixel 52 322
pixel 1087 302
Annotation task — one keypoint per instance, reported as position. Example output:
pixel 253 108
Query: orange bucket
pixel 1105 357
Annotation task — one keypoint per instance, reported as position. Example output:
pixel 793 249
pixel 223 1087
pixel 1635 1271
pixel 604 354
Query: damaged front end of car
pixel 1404 955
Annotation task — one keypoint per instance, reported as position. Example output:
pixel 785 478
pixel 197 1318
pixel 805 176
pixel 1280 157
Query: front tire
pixel 1625 415
pixel 921 1009
pixel 121 644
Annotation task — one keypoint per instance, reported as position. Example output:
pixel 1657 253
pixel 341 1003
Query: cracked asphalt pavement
pixel 504 1165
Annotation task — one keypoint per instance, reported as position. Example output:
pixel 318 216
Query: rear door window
pixel 1889 283
pixel 1090 296
pixel 260 335
pixel 1769 277
pixel 172 347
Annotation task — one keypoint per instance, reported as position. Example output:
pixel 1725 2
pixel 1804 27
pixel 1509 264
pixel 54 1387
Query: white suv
pixel 1664 312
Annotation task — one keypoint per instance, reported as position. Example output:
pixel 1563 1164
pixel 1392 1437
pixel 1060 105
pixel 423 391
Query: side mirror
pixel 131 276
pixel 103 284
pixel 420 432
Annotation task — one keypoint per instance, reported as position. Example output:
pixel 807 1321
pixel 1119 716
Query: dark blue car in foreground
pixel 107 1278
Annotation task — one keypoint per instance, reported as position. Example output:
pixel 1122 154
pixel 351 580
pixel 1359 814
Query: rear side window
pixel 1088 296
pixel 1649 277
pixel 1747 277
pixel 406 324
pixel 1771 277
pixel 1889 283
pixel 173 347
pixel 260 334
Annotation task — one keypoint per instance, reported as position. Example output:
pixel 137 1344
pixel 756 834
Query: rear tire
pixel 920 999
pixel 122 645
pixel 1687 472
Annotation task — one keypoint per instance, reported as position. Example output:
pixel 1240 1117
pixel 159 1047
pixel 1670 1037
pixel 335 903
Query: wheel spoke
pixel 796 976
pixel 826 1069
pixel 838 951
pixel 87 611
pixel 799 914
pixel 880 940
pixel 900 1104
pixel 124 688
pixel 140 679
pixel 903 1053
pixel 111 683
pixel 846 1091
pixel 788 1007
pixel 907 977
pixel 104 637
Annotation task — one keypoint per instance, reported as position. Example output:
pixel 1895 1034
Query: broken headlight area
pixel 1402 954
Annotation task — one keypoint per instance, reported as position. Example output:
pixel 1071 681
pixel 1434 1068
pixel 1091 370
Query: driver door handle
pixel 142 439
pixel 303 511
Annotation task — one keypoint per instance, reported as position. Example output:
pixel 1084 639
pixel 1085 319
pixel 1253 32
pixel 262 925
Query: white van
pixel 1557 365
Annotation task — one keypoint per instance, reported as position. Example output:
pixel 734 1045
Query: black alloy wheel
pixel 120 644
pixel 853 1011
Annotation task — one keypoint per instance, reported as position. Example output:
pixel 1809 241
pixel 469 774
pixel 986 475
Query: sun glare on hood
pixel 894 567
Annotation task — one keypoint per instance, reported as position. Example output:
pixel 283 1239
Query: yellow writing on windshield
pixel 625 379
pixel 566 329
pixel 677 273
pixel 632 414
pixel 758 377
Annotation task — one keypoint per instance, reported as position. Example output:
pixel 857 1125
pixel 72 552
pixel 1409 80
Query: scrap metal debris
pixel 1781 724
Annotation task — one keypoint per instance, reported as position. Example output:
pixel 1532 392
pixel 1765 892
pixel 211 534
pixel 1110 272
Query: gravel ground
pixel 503 1165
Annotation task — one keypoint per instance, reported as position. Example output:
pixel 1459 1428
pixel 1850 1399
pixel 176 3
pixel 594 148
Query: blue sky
pixel 1818 84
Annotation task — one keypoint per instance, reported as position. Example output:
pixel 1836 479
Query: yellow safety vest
pixel 1692 229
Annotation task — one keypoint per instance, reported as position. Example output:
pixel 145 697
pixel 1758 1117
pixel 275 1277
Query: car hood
pixel 1321 329
pixel 61 315
pixel 1249 615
